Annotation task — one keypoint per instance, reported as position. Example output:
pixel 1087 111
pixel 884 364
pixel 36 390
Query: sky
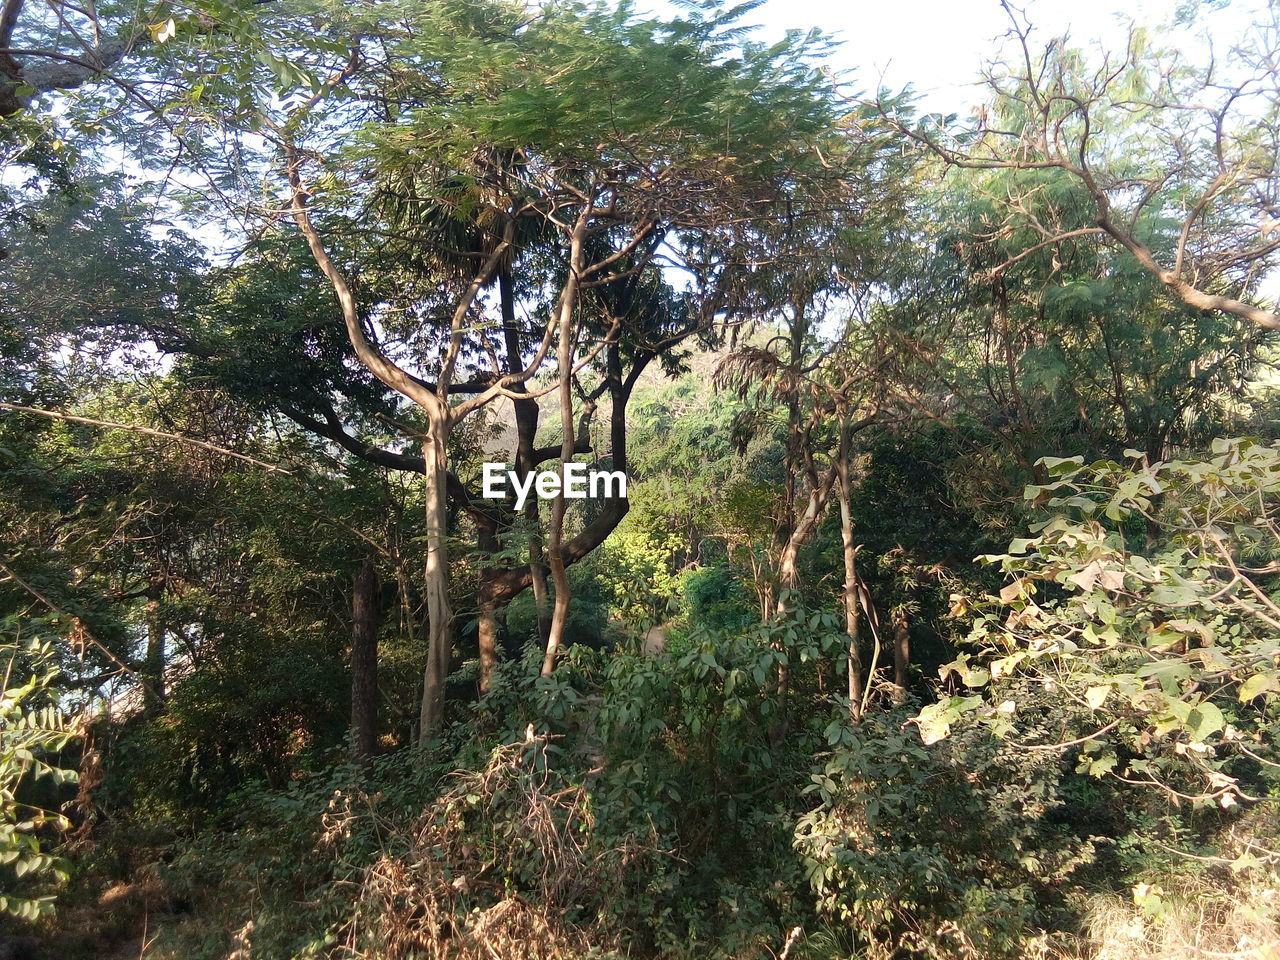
pixel 939 46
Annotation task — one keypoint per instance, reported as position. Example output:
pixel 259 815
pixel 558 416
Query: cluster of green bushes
pixel 681 806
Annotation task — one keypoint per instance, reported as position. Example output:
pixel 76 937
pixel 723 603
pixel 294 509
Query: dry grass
pixel 1224 906
pixel 1208 926
pixel 494 869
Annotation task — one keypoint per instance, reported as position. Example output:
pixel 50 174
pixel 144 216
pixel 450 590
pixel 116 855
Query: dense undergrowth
pixel 676 806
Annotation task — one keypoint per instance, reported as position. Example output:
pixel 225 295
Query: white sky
pixel 939 47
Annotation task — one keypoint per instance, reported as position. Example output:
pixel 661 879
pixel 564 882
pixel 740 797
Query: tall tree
pixel 617 184
pixel 1177 160
pixel 365 621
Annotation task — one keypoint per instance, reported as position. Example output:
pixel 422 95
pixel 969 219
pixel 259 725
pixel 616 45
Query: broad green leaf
pixel 1204 720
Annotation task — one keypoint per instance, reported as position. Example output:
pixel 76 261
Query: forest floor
pixel 123 923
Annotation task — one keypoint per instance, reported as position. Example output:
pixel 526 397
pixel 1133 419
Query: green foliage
pixel 698 745
pixel 951 851
pixel 618 828
pixel 715 600
pixel 1114 710
pixel 1146 598
pixel 286 859
pixel 687 92
pixel 588 621
pixel 634 570
pixel 32 732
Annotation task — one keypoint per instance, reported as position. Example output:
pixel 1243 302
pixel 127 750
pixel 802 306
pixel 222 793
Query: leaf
pixel 1057 466
pixel 163 32
pixel 934 722
pixel 1013 591
pixel 1086 578
pixel 1257 684
pixel 1097 696
pixel 936 719
pixel 1168 672
pixel 1006 665
pixel 1205 719
pixel 1112 579
pixel 1102 765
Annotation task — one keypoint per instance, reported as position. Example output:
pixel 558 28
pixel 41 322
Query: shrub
pixel 506 863
pixel 716 600
pixel 32 729
pixel 955 850
pixel 1144 599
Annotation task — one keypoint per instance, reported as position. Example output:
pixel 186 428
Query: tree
pixel 1177 160
pixel 82 50
pixel 1030 349
pixel 365 621
pixel 820 371
pixel 616 184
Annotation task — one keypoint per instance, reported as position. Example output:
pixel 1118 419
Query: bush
pixel 1145 598
pixel 506 863
pixel 715 600
pixel 32 731
pixel 956 850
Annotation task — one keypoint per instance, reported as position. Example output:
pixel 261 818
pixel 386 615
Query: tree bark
pixel 365 619
pixel 901 649
pixel 526 416
pixel 487 628
pixel 434 402
pixel 850 593
pixel 559 507
pixel 436 580
pixel 53 71
pixel 805 528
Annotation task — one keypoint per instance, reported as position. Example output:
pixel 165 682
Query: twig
pixel 1069 743
pixel 79 624
pixel 146 431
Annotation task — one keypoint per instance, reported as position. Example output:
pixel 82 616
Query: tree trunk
pixel 560 577
pixel 487 641
pixel 487 542
pixel 850 593
pixel 436 580
pixel 435 456
pixel 555 552
pixel 365 619
pixel 788 563
pixel 20 83
pixel 538 572
pixel 805 528
pixel 154 658
pixel 508 583
pixel 526 416
pixel 901 649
